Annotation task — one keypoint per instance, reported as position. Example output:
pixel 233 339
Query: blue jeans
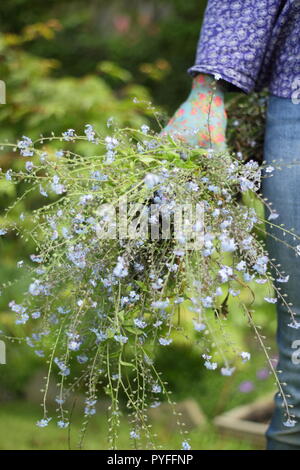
pixel 282 142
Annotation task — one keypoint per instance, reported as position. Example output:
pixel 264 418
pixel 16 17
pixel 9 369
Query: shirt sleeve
pixel 234 40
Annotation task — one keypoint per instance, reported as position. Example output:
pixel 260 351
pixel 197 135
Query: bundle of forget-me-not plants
pixel 136 232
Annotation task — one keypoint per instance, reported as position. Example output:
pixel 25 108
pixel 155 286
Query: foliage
pixel 154 40
pixel 246 125
pixel 37 101
pixel 18 432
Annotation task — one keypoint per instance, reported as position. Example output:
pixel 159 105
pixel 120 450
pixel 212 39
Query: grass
pixel 18 432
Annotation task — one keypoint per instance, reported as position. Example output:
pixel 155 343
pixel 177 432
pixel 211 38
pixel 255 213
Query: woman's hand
pixel 201 120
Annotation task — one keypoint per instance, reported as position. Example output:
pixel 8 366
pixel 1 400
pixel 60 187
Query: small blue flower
pixel 42 423
pixel 82 359
pixel 90 133
pixel 69 135
pixel 121 339
pixel 165 341
pixel 156 388
pixel 8 175
pixel 24 146
pixel 185 446
pixel 43 192
pixel 62 424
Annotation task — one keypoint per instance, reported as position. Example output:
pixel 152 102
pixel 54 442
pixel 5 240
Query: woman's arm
pixel 248 44
pixel 251 44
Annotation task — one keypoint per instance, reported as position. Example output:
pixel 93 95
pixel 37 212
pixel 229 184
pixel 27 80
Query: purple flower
pixel 263 374
pixel 246 386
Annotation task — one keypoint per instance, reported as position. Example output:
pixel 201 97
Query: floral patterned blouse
pixel 252 44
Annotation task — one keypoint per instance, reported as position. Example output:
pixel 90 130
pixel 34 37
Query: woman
pixel 247 45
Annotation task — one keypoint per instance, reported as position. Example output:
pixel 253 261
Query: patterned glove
pixel 201 120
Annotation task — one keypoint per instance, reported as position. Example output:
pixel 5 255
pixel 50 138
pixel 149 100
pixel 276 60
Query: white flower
pixel 217 76
pixel 260 281
pixel 24 146
pixel 261 265
pixel 111 143
pixel 246 243
pixel 225 272
pixel 42 191
pixel 29 166
pixel 160 304
pixel 121 339
pixel 165 341
pixel 241 266
pixel 199 326
pixel 283 279
pixel 178 300
pixel 145 129
pixel 110 121
pixel 271 300
pixel 89 132
pixel 294 324
pixel 290 423
pixel 140 323
pixel 62 424
pixel 74 342
pixel 227 371
pixel 42 423
pixel 213 188
pixel 185 445
pixel 245 356
pixel 151 180
pixel 56 186
pixel 120 270
pixel 269 169
pixel 207 301
pixel 64 369
pixel 246 184
pixel 234 293
pixel 273 216
pixel 69 135
pixel 227 244
pixel 192 186
pixel 210 365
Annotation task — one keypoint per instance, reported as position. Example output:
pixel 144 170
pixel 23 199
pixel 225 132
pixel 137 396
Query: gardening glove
pixel 201 120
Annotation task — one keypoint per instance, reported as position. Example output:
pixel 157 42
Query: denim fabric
pixel 282 142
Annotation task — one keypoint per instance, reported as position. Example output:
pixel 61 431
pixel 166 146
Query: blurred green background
pixel 67 63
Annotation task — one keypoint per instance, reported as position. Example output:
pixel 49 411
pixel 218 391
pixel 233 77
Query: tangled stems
pixel 95 292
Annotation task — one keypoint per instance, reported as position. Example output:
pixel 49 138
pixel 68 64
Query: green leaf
pixel 121 315
pixel 135 331
pixel 142 286
pixel 114 71
pixel 110 332
pixel 146 159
